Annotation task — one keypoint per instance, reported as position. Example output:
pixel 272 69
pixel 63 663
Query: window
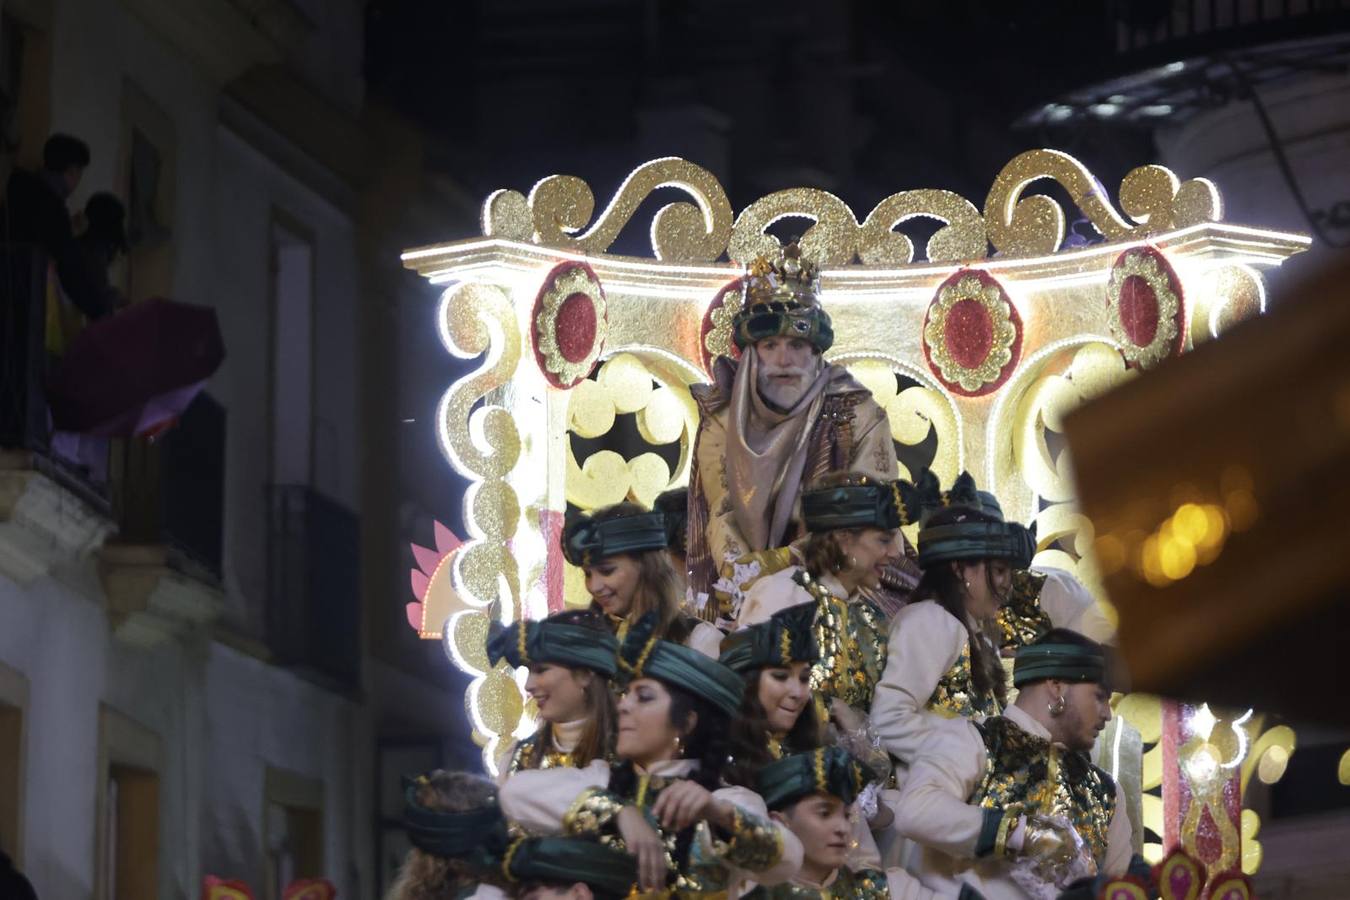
pixel 147 167
pixel 292 352
pixel 25 82
pixel 127 831
pixel 292 830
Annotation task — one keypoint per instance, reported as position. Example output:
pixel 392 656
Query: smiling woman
pixel 570 658
pixel 621 549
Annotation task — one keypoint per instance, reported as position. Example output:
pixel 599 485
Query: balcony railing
pixel 314 594
pixel 170 491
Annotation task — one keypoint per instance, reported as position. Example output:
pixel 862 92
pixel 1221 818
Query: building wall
pixel 221 716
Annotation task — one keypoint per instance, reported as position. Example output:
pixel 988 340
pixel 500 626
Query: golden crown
pixel 791 279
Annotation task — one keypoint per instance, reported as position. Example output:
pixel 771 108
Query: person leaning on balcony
pixel 35 213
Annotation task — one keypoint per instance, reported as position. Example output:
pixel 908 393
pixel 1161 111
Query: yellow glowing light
pixel 1343 769
pixel 1190 524
pixel 1176 558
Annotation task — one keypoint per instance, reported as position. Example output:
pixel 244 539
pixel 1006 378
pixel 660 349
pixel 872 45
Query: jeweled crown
pixel 790 279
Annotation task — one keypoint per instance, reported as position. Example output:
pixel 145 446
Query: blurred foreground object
pixel 1219 491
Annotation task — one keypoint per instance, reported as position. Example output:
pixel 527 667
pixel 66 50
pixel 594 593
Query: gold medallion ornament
pixel 715 333
pixel 972 335
pixel 570 324
pixel 1144 307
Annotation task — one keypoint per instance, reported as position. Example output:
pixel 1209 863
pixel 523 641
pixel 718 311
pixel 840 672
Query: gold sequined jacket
pixel 851 631
pixel 969 784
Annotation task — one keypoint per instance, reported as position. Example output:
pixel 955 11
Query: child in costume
pixel 812 794
pixel 458 835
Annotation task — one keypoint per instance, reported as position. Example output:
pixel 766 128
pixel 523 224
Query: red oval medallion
pixel 576 327
pixel 970 333
pixel 1139 310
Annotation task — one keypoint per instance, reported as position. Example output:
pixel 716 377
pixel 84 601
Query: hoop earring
pixel 679 747
pixel 1056 709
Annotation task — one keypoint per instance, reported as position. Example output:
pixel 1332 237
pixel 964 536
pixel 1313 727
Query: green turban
pixel 586 540
pixel 1065 661
pixel 982 533
pixel 608 871
pixel 574 646
pixel 644 655
pixel 828 770
pixel 787 637
pixel 476 836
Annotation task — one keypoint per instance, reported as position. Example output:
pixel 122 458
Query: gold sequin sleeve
pixel 753 844
pixel 1022 620
pixel 592 813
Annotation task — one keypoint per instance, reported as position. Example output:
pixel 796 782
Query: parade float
pixel 976 342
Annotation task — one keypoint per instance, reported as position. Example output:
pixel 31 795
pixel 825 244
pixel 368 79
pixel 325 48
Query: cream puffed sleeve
pixel 1069 604
pixel 759 850
pixel 546 801
pixel 904 886
pixel 771 594
pixel 924 642
pixel 706 639
pixel 932 809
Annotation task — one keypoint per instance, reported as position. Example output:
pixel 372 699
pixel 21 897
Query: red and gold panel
pixel 1144 307
pixel 569 324
pixel 972 334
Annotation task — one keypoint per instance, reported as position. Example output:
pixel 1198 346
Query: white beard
pixel 782 394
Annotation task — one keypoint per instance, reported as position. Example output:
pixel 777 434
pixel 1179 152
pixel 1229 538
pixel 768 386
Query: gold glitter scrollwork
pixel 560 206
pixel 1142 263
pixel 1004 330
pixel 962 236
pixel 831 241
pixel 484 446
pixel 1034 226
pixel 1159 201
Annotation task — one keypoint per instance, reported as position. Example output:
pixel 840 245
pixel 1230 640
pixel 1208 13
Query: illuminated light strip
pixel 1218 230
pixel 1115 748
pixel 1241 733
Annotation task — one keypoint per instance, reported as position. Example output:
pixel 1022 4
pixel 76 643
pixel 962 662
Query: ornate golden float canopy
pixel 976 342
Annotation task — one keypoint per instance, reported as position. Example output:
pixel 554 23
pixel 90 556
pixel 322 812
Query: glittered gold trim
pixel 1145 265
pixel 990 296
pixel 717 342
pixel 509 857
pixel 576 280
pixel 1001 836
